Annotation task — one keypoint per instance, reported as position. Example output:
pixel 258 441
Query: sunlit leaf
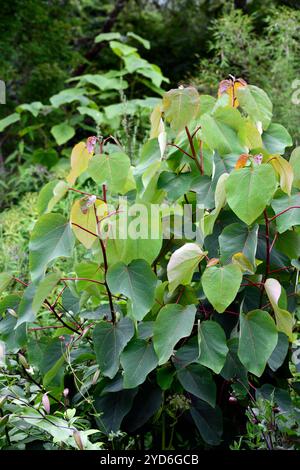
pixel 79 162
pixel 221 284
pixel 182 265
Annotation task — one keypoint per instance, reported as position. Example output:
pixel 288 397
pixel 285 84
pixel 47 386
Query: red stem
pixel 280 269
pixel 181 150
pixel 81 279
pixel 104 192
pixel 103 249
pixel 194 155
pixel 85 230
pixel 282 212
pixel 82 192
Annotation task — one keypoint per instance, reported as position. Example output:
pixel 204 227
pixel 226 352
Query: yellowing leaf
pixel 79 161
pixel 157 125
pixel 284 319
pixel 243 262
pixel 230 87
pixel 285 171
pixel 84 216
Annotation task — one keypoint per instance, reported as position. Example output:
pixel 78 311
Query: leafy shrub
pixel 39 134
pixel 168 334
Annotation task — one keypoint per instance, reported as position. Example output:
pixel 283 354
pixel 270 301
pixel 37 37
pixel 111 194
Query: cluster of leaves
pixel 105 101
pixel 145 333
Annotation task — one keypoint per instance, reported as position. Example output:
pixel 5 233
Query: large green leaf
pixel 26 313
pixel 137 360
pixel 173 322
pixel 276 138
pixel 51 238
pixel 198 380
pixel 146 403
pixel 50 194
pixel 180 106
pixel 289 243
pixel 109 342
pixel 220 133
pixel 258 339
pixel 249 190
pixel 183 263
pixel 212 346
pixel 128 248
pixel 238 238
pixel 221 284
pixel 111 170
pixel 8 120
pixel 135 280
pixel 256 103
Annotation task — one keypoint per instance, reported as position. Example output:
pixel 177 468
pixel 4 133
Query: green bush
pixel 164 337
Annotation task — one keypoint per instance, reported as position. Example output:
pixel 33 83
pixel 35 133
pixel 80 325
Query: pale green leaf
pixel 221 285
pixel 62 133
pixel 258 339
pixel 180 106
pixel 276 138
pixel 111 170
pixel 256 103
